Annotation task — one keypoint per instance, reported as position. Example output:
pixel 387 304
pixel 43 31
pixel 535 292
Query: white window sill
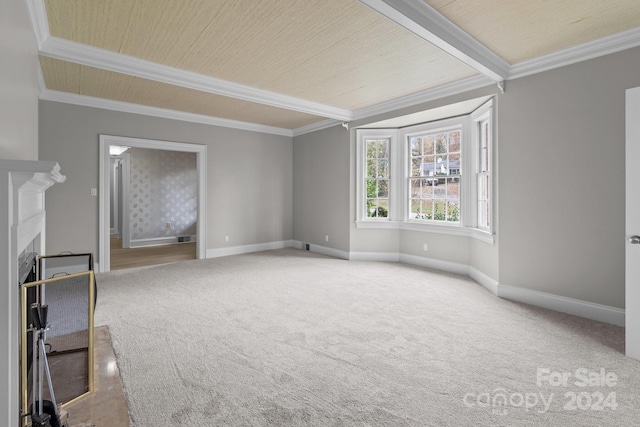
pixel 455 230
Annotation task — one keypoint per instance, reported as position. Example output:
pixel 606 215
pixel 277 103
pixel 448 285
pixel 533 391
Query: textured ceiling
pixel 82 80
pixel 335 53
pixel 518 30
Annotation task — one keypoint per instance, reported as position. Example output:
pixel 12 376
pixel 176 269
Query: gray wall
pixel 249 175
pixel 562 181
pixel 321 188
pixel 18 141
pixel 559 184
pixel 18 83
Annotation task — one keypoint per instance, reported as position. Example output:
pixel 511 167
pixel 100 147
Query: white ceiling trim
pixel 427 23
pixel 454 88
pixel 112 61
pixel 444 34
pixel 38 13
pixel 315 126
pixel 604 46
pixel 126 107
pixel 427 95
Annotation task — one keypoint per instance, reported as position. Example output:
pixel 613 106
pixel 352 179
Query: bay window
pixel 434 177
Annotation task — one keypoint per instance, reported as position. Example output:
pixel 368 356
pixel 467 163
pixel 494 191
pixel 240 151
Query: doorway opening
pixel 112 221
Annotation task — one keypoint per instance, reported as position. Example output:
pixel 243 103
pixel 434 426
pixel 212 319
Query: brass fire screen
pixel 69 337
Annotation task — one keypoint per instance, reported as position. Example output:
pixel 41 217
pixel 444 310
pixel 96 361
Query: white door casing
pixel 104 199
pixel 632 224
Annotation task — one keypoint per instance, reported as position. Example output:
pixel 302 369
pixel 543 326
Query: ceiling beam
pixel 427 23
pixel 91 56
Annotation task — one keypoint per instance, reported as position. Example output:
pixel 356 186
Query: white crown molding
pixel 38 13
pixel 315 126
pixel 415 15
pixel 91 56
pixel 427 23
pixel 594 49
pixel 107 104
pixel 449 89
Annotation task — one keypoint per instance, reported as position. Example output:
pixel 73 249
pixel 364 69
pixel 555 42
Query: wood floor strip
pixel 122 258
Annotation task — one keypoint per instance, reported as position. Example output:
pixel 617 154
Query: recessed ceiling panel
pixel 79 79
pixel 518 30
pixel 336 52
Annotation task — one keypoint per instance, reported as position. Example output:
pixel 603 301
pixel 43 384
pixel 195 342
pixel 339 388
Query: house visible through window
pixel 434 177
pixel 434 181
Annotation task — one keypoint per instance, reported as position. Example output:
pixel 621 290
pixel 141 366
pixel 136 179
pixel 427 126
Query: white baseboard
pixel 245 249
pixel 159 241
pixel 322 250
pixel 589 310
pixel 375 256
pixel 484 280
pixel 436 264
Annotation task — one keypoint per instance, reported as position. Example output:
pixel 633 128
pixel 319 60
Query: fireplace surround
pixel 22 230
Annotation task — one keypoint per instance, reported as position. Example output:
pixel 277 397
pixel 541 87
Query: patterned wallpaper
pixel 163 189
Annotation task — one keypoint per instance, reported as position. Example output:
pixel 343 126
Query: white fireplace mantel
pixel 22 225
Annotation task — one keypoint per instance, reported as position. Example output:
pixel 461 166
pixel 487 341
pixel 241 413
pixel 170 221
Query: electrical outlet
pixel 425 247
pixel 326 238
pixel 226 237
pixel 94 192
pixel 168 225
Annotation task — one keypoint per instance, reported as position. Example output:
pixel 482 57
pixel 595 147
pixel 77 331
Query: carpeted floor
pixel 291 338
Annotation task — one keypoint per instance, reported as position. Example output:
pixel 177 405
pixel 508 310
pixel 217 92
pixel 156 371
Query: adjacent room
pixel 329 213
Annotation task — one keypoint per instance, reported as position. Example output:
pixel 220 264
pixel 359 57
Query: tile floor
pixel 106 406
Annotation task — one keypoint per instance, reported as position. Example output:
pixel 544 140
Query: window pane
pixel 421 209
pixel 383 169
pixel 439 208
pixel 416 166
pixel 383 188
pixel 415 188
pixel 453 189
pixel 372 168
pixel 454 141
pixel 427 209
pixel 372 146
pixel 441 143
pixel 427 188
pixel 453 211
pixel 372 188
pixel 440 192
pixel 377 208
pixel 428 145
pixel 428 166
pixel 453 163
pixel 383 149
pixel 416 146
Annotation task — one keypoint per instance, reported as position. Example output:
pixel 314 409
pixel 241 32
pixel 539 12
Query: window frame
pixel 399 167
pixel 404 136
pixel 484 114
pixel 361 174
